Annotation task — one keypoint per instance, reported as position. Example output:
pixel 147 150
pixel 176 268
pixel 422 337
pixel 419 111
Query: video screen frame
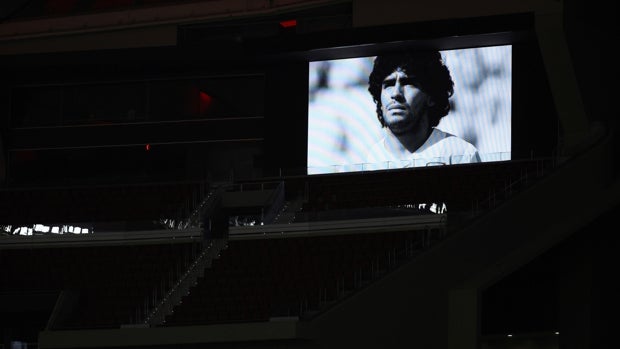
pixel 344 128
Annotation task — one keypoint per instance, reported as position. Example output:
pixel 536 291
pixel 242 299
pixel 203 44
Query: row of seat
pixel 97 204
pixel 109 284
pixel 255 280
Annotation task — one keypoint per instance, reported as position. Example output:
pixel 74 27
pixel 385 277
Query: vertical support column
pixel 562 80
pixel 575 304
pixel 464 319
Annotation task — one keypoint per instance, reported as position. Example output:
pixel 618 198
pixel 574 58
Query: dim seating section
pixel 255 280
pixel 462 188
pixel 148 202
pixel 107 284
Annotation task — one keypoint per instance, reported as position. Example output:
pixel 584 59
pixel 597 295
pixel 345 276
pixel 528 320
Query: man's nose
pixel 397 91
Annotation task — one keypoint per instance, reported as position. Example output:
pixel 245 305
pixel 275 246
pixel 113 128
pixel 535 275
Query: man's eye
pixel 408 81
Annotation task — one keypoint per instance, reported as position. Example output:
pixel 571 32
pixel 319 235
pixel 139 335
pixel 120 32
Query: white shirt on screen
pixel 441 148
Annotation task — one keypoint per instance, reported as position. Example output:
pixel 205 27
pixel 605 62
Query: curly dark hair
pixel 430 74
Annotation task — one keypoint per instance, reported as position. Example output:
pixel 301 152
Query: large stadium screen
pixel 412 109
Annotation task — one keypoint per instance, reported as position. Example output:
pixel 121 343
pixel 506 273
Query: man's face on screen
pixel 403 104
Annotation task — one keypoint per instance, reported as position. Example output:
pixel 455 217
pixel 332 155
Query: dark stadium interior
pixel 154 190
